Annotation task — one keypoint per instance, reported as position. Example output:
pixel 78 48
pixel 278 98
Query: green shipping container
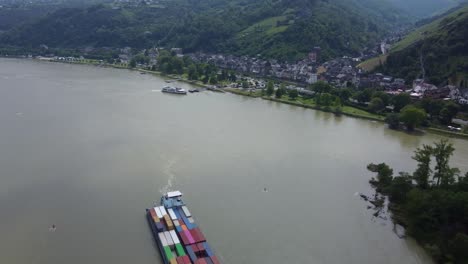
pixel 180 250
pixel 168 252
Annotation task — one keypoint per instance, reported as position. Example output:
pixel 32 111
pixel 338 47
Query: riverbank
pixel 345 110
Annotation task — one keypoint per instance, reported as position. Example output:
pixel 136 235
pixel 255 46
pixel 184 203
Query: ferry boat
pixel 173 90
pixel 178 237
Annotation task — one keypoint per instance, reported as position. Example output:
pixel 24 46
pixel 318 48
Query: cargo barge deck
pixel 179 239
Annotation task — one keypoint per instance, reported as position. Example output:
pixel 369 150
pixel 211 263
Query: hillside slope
pixel 439 49
pixel 281 29
pixel 425 8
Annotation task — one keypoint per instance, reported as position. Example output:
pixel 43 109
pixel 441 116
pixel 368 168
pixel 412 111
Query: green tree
pixel 270 88
pixel 393 121
pixel 384 174
pixel 400 187
pixel 293 94
pixel 444 174
pixel 192 72
pixel 400 101
pixel 245 84
pixel 412 116
pixel 363 96
pixel 132 63
pixel 376 105
pixel 345 94
pixel 423 171
pixel 383 96
pixel 214 79
pixel 448 112
pixel 321 87
pixel 279 92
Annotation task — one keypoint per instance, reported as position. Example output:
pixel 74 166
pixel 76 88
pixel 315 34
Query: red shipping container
pixel 200 246
pixel 215 260
pixel 180 260
pixel 152 212
pixel 200 261
pixel 198 234
pixel 194 248
pixel 184 238
pixel 194 235
pixel 186 259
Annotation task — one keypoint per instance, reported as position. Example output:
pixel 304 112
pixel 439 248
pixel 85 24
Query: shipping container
pixel 163 210
pixel 180 250
pixel 152 212
pixel 190 219
pixel 189 237
pixel 186 259
pixel 215 260
pixel 169 239
pixel 180 260
pixel 171 214
pixel 163 239
pixel 184 238
pixel 208 250
pixel 159 226
pixel 168 253
pixel 201 261
pixel 191 254
pixel 186 211
pixel 208 261
pixel 173 261
pixel 158 212
pixel 174 237
pixel 184 227
pixel 176 223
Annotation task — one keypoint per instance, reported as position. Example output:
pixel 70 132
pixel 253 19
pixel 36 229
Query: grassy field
pixel 267 26
pixel 372 63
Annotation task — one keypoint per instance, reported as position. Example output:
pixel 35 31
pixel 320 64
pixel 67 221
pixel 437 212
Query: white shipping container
pixel 169 239
pixel 163 210
pixel 172 214
pixel 186 211
pixel 158 212
pixel 174 237
pixel 176 222
pixel 163 239
pixel 190 219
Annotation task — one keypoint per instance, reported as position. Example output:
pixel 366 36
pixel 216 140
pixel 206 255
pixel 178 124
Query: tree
pixel 293 94
pixel 393 121
pixel 345 94
pixel 270 88
pixel 214 79
pixel 383 96
pixel 363 96
pixel 423 157
pixel 245 84
pixel 192 72
pixel 400 101
pixel 279 92
pixel 132 63
pixel 384 174
pixel 412 116
pixel 400 187
pixel 321 87
pixel 376 105
pixel 448 112
pixel 444 175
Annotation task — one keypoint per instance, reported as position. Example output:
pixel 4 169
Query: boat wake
pixel 170 176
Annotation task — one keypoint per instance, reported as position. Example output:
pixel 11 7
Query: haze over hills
pixel 425 8
pixel 285 30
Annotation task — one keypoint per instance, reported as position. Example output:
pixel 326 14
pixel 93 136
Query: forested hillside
pixel 438 49
pixel 281 29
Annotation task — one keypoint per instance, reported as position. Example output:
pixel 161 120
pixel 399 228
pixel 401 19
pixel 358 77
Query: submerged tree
pixel 423 157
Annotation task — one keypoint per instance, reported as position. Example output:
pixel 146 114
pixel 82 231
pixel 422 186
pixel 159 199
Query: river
pixel 89 148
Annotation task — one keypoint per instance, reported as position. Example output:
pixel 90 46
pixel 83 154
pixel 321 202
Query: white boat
pixel 173 90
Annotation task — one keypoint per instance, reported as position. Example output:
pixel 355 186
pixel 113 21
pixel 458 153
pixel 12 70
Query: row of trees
pixel 432 202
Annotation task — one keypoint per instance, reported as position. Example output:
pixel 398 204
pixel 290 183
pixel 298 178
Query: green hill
pixel 281 29
pixel 440 47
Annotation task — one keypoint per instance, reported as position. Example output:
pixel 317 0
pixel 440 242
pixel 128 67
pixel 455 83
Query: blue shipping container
pixel 191 254
pixel 208 250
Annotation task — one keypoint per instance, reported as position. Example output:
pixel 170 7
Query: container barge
pixel 179 239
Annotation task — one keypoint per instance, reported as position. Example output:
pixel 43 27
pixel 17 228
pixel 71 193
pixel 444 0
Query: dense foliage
pixel 280 29
pixel 432 203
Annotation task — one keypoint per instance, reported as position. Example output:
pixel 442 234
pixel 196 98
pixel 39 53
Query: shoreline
pixel 431 130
